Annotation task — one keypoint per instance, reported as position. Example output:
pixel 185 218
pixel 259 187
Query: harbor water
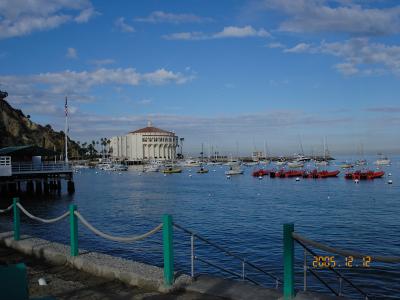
pixel 243 214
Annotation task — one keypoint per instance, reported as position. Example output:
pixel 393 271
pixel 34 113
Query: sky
pixel 232 74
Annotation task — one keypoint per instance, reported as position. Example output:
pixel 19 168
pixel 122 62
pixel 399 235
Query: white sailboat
pixel 383 161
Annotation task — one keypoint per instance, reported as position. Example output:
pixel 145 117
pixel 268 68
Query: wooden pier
pixel 18 174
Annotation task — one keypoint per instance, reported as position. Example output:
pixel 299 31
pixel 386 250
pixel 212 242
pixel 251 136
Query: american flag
pixel 66 107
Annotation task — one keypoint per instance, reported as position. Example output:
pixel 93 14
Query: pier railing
pixel 166 226
pixel 244 265
pixel 45 167
pixel 74 215
pixel 325 263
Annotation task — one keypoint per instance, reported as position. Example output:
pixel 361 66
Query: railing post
pixel 73 224
pixel 288 262
pixel 192 255
pixel 305 270
pixel 16 219
pixel 168 250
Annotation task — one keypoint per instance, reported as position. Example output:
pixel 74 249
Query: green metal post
pixel 73 223
pixel 168 250
pixel 16 219
pixel 288 262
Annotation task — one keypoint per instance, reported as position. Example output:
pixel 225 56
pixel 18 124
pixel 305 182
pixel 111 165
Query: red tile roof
pixel 151 129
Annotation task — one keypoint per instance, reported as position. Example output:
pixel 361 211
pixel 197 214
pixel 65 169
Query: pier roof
pixel 27 150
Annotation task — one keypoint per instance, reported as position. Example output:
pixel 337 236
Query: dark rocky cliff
pixel 16 129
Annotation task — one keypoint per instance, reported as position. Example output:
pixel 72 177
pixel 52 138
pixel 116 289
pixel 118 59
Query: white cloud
pixel 164 17
pixel 359 55
pixel 71 53
pixel 336 16
pixel 346 68
pixel 123 26
pixel 54 86
pixel 302 47
pixel 241 32
pixel 20 17
pixel 85 15
pixel 226 32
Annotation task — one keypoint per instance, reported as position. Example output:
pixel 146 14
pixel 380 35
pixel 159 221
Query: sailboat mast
pixel 66 130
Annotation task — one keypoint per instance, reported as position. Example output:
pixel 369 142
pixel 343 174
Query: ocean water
pixel 243 214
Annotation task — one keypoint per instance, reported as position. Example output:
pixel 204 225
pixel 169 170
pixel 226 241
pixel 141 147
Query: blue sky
pixel 217 72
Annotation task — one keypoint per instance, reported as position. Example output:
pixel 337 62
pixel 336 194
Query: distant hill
pixel 16 129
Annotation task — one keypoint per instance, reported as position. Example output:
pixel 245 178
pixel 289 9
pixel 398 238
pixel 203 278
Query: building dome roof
pixel 151 129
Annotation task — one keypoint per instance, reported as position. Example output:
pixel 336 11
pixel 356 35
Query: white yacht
pixel 234 170
pixel 383 161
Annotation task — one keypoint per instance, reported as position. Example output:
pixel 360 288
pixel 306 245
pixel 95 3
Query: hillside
pixel 17 129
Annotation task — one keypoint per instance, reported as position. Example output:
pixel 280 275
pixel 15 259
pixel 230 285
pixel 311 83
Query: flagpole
pixel 66 130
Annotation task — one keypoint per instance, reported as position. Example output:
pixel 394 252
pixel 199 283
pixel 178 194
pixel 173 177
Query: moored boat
pixel 260 172
pixel 384 161
pixel 171 170
pixel 326 174
pixel 234 170
pixel 295 164
pixel 151 168
pixel 294 173
pixel 363 175
pixel 346 165
pixel 202 170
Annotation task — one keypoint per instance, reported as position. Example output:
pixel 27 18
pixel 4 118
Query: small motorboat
pixel 364 175
pixel 326 174
pixel 202 170
pixel 311 174
pixel 346 166
pixel 151 168
pixel 171 170
pixel 294 173
pixel 280 173
pixel 234 170
pixel 260 172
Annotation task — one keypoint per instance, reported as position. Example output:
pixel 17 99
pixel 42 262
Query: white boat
pixel 191 163
pixel 119 167
pixel 232 163
pixel 78 167
pixel 213 163
pixel 322 163
pixel 280 163
pixel 104 166
pixel 295 164
pixel 251 164
pixel 234 170
pixel 264 162
pixel 151 168
pixel 384 161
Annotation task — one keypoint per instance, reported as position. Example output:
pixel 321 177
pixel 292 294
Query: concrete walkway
pixel 94 275
pixel 63 282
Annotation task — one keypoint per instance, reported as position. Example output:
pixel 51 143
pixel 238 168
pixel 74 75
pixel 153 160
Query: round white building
pixel 149 143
